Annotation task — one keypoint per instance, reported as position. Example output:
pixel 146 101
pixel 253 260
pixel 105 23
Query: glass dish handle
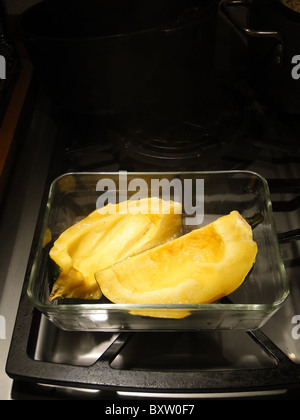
pixel 293 235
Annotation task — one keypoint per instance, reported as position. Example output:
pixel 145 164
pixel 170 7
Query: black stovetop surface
pixel 44 361
pixel 229 129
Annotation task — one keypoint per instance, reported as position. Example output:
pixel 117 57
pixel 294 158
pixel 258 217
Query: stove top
pixel 45 361
pixel 233 132
pixel 155 140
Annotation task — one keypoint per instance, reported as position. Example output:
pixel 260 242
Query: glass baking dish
pixel 205 196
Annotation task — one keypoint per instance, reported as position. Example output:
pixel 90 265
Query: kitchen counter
pixel 10 121
pixel 19 215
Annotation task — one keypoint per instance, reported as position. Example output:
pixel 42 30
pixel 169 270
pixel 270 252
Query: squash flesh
pixel 105 237
pixel 198 268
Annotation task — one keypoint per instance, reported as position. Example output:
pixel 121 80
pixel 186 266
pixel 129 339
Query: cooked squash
pixel 198 268
pixel 107 236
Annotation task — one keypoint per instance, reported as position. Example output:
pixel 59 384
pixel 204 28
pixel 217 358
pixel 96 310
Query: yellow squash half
pixel 198 268
pixel 107 236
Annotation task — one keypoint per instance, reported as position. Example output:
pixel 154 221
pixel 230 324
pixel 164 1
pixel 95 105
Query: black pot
pixel 273 33
pixel 114 56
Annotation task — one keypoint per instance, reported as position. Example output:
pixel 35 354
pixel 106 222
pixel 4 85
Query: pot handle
pixel 225 7
pixel 293 235
pixel 283 238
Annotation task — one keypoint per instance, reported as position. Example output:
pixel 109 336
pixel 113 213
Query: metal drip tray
pixel 77 349
pixel 206 350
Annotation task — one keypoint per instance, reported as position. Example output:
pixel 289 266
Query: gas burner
pixel 174 145
pixel 180 141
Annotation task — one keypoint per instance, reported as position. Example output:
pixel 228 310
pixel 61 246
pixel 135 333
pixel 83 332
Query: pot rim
pixel 176 26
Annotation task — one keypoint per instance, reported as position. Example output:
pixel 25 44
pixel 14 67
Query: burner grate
pixel 195 140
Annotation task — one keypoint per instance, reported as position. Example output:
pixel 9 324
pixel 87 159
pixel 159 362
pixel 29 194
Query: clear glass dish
pixel 73 196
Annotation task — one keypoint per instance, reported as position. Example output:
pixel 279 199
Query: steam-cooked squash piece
pixel 107 236
pixel 198 268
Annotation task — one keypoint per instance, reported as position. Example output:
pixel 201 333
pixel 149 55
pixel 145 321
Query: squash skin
pixel 105 237
pixel 198 268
